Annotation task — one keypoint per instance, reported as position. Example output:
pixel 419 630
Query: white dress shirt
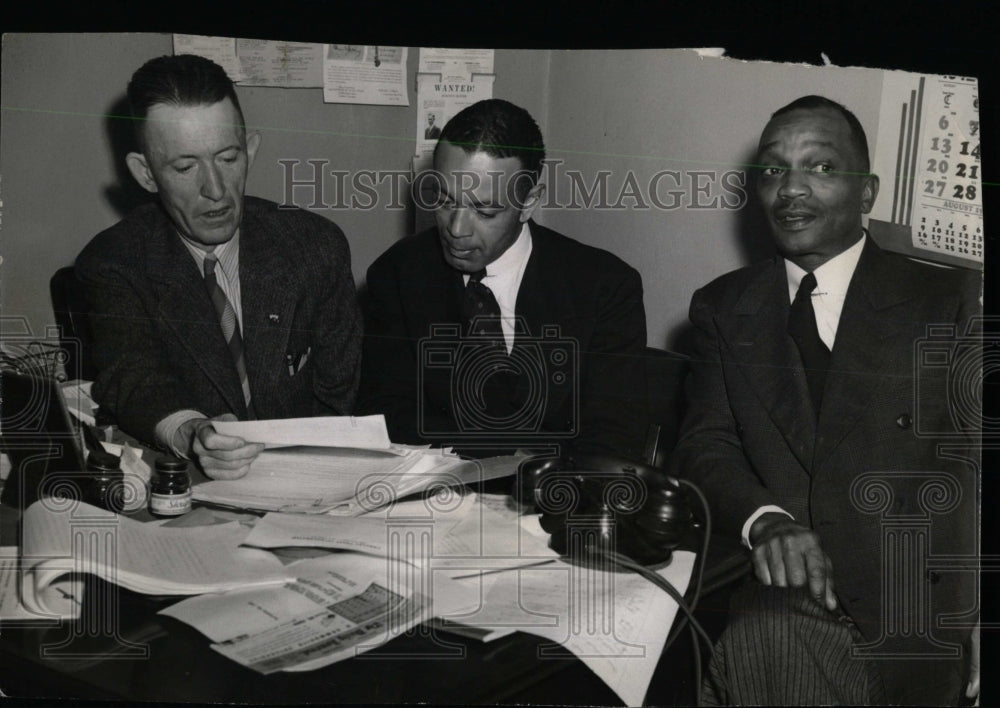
pixel 832 280
pixel 228 255
pixel 503 278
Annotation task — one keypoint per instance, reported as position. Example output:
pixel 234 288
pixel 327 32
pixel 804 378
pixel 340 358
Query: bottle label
pixel 170 504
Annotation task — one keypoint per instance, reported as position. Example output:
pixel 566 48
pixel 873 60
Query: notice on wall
pixel 455 64
pixel 283 64
pixel 221 50
pixel 374 75
pixel 437 102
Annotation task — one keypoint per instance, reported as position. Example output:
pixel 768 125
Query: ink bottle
pixel 170 487
pixel 105 482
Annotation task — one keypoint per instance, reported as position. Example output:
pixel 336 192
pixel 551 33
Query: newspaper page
pixel 337 606
pixel 374 75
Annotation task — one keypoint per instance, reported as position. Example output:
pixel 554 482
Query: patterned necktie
pixel 481 309
pixel 230 327
pixel 803 331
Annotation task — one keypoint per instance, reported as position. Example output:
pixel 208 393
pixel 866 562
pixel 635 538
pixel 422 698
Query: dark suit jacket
pixel 750 436
pixel 158 345
pixel 592 297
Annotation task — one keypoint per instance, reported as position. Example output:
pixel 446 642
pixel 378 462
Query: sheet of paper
pixel 364 433
pixel 616 623
pixel 365 74
pixel 60 539
pixel 320 480
pixel 265 62
pixel 455 64
pixel 465 538
pixel 221 50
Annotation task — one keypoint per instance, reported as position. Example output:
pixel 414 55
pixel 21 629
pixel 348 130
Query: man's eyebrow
pixel 187 156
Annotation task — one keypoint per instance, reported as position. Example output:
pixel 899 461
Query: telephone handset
pixel 600 502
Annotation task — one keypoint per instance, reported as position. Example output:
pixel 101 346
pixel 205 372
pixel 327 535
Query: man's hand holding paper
pixel 220 456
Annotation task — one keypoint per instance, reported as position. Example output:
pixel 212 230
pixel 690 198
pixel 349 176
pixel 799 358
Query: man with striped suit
pixel 805 430
pixel 207 305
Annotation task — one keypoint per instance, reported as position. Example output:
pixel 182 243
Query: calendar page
pixel 928 160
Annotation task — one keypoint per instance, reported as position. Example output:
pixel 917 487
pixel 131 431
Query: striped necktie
pixel 230 327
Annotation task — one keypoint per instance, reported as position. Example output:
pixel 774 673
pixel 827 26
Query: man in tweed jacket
pixel 165 366
pixel 818 483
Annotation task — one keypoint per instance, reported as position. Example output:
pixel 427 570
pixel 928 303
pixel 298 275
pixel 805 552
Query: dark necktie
pixel 481 309
pixel 230 327
pixel 802 329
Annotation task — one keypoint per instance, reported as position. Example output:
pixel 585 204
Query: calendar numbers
pixel 942 144
pixel 947 215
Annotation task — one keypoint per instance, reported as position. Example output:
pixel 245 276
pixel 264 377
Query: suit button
pixel 934 577
pixel 904 421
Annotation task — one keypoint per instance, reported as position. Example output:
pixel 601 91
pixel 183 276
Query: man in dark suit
pixel 208 305
pixel 555 356
pixel 805 431
pixel 431 132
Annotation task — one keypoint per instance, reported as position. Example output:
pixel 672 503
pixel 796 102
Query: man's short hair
pixel 500 129
pixel 182 80
pixel 810 103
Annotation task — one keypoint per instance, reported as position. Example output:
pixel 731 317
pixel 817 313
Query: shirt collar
pixel 511 260
pixel 228 254
pixel 833 277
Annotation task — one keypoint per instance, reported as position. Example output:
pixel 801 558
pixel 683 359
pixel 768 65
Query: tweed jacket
pixel 158 346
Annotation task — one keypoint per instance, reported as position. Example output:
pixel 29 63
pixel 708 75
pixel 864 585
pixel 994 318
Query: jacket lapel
pixel 268 298
pixel 542 301
pixel 869 336
pixel 755 334
pixel 185 307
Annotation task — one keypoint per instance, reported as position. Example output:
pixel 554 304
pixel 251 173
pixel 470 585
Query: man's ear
pixel 869 190
pixel 139 167
pixel 532 200
pixel 253 142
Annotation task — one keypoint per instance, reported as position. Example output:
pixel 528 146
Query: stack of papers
pixel 474 561
pixel 334 464
pixel 61 541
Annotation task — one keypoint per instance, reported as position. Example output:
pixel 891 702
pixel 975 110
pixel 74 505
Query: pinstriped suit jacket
pixel 750 436
pixel 158 346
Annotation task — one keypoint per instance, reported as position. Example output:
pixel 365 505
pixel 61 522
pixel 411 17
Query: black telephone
pixel 600 502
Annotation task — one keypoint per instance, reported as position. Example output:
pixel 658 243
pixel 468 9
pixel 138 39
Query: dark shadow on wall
pixel 751 238
pixel 124 194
